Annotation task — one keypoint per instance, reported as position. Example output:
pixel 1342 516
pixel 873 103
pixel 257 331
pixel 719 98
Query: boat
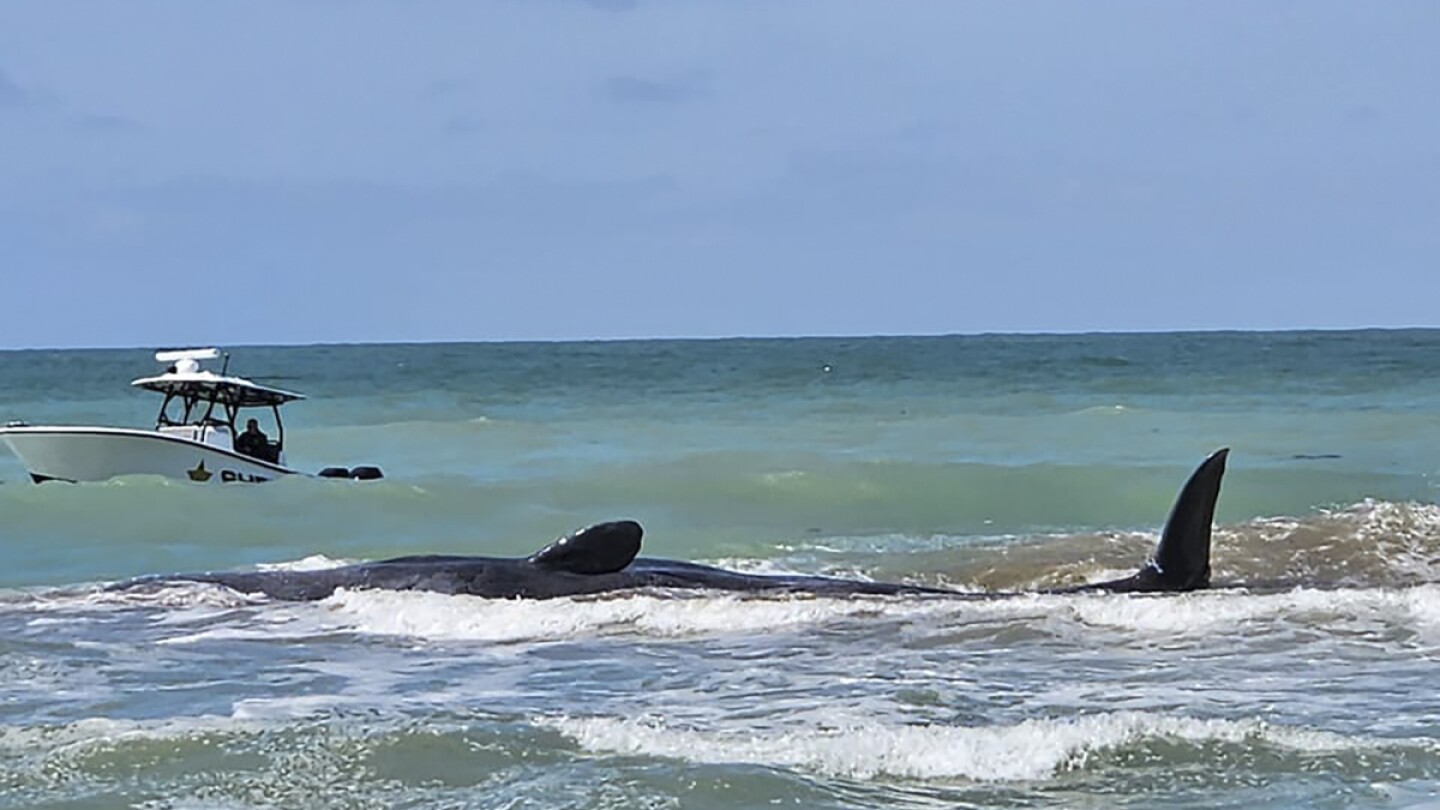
pixel 195 437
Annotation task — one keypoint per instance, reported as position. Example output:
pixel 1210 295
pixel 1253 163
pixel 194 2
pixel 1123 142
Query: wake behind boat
pixel 195 437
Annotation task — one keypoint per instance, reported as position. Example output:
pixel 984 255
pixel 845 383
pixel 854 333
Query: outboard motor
pixel 364 472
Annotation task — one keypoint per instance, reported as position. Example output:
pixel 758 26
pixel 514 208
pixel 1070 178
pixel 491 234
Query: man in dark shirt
pixel 253 442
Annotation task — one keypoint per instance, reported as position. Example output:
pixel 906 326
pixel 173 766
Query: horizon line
pixel 738 337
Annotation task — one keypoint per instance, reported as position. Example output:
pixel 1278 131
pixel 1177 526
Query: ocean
pixel 992 462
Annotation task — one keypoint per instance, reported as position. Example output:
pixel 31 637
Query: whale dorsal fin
pixel 1182 560
pixel 600 549
pixel 1183 557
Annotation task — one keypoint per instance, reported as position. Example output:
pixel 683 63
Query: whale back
pixel 604 548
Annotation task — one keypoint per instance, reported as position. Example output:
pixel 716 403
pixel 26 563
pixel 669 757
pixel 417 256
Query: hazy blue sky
pixel 202 172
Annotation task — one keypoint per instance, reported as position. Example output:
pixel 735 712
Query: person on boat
pixel 253 442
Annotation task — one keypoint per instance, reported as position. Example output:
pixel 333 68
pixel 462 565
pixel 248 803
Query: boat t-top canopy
pixel 185 379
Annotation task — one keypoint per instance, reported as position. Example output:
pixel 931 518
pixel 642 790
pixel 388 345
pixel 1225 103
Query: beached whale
pixel 602 558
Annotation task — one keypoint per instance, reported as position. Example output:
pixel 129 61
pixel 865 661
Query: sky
pixel 177 173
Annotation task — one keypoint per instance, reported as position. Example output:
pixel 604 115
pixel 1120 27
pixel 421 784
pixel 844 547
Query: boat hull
pixel 52 453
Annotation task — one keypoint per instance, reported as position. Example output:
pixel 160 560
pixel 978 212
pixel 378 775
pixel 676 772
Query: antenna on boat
pixel 225 366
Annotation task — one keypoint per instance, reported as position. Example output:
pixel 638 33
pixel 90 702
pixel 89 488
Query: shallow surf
pixel 980 463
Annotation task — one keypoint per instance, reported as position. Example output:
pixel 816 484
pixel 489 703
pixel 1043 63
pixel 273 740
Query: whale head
pixel 604 548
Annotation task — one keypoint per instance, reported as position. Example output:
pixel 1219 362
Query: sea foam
pixel 1202 614
pixel 1026 751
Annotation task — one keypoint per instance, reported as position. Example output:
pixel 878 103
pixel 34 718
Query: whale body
pixel 603 558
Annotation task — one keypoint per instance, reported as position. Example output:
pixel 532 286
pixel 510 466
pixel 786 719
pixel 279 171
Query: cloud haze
pixel 298 172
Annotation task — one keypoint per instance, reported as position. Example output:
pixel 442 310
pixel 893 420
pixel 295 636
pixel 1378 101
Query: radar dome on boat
pixel 176 355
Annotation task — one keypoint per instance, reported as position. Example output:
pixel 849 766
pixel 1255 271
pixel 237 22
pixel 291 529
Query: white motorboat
pixel 195 436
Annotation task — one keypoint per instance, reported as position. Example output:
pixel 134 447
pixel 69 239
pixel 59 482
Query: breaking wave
pixel 1027 751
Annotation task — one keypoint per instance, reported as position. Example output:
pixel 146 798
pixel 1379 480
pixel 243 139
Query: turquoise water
pixel 978 462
